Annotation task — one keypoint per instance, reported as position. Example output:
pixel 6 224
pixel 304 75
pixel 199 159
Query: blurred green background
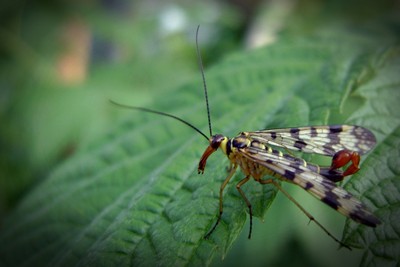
pixel 62 60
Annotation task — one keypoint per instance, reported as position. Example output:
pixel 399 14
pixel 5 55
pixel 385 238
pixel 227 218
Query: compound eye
pixel 216 140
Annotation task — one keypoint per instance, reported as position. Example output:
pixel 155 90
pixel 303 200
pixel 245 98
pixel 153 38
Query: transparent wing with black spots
pixel 307 176
pixel 324 140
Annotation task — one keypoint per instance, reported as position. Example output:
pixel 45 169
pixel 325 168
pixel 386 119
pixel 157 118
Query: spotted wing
pixel 325 140
pixel 296 170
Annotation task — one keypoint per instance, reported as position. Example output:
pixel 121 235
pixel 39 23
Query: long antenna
pixel 204 79
pixel 161 113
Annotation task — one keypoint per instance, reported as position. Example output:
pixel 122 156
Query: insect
pixel 259 155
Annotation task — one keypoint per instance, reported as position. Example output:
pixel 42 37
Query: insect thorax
pixel 248 167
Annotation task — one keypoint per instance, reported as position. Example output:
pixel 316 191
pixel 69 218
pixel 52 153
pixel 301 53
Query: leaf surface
pixel 134 197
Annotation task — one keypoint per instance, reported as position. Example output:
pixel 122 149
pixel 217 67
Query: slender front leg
pixel 242 182
pixel 221 191
pixel 229 168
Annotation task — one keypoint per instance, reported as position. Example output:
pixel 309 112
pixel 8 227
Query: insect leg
pixel 221 191
pixel 277 185
pixel 229 168
pixel 342 158
pixel 242 182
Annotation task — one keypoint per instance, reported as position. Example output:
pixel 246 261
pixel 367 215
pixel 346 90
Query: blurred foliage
pixel 61 62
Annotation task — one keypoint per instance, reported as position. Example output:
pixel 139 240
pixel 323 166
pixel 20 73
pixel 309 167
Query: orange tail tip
pixel 342 158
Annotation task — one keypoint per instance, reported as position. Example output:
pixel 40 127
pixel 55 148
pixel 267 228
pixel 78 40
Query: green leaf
pixel 134 197
pixel 379 185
